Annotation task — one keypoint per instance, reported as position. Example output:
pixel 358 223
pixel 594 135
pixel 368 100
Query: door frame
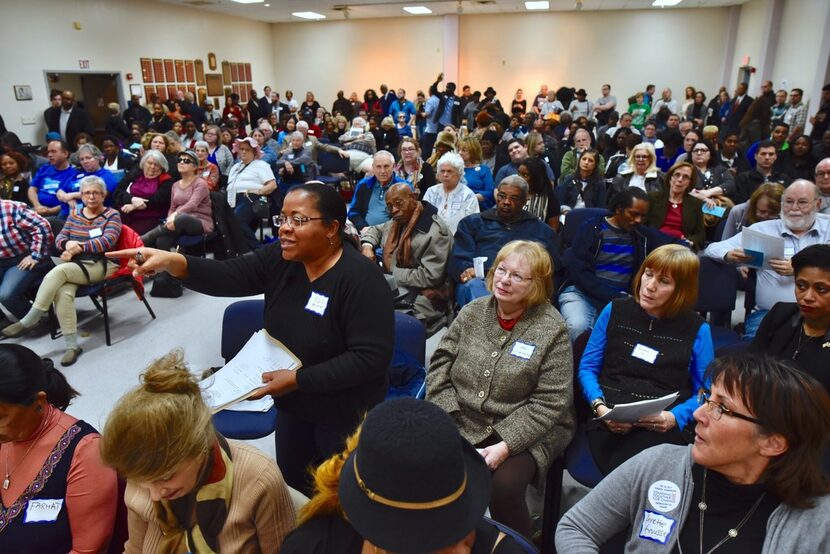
pixel 115 74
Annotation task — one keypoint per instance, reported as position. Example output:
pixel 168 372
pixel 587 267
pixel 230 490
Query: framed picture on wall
pixel 180 75
pixel 234 72
pixel 169 71
pixel 248 72
pixel 189 72
pixel 135 90
pixel 200 72
pixel 211 61
pixel 161 91
pixel 235 89
pixel 147 70
pixel 149 91
pixel 215 84
pixel 22 92
pixel 201 95
pixel 226 71
pixel 158 70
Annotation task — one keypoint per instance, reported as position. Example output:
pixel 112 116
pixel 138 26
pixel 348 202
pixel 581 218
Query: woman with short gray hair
pixel 85 237
pixel 144 198
pixel 451 196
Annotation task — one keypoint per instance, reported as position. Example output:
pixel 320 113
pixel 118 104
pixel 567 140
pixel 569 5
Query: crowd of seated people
pixel 463 205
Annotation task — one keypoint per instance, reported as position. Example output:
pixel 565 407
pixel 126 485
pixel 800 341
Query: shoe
pixel 71 356
pixel 15 330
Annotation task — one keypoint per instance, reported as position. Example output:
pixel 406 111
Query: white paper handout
pixel 243 374
pixel 761 247
pixel 633 411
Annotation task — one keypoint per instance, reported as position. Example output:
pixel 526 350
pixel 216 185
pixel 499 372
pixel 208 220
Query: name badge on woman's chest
pixel 645 353
pixel 43 510
pixel 317 303
pixel 94 233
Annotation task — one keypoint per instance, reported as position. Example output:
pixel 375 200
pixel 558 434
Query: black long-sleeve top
pixel 345 352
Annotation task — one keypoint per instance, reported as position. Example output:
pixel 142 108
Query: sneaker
pixel 71 356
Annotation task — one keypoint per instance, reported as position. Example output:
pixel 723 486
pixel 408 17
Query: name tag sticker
pixel 97 232
pixel 789 251
pixel 478 168
pixel 43 509
pixel 317 303
pixel 522 350
pixel 456 206
pixel 645 353
pixel 656 527
pixel 16 188
pixel 664 495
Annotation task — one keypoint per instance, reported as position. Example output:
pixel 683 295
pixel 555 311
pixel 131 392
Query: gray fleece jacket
pixel 656 487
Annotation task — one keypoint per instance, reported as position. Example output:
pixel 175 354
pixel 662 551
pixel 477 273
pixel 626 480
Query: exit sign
pixel 83 64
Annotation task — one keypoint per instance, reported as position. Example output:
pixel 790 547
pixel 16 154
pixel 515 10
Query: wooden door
pixel 99 90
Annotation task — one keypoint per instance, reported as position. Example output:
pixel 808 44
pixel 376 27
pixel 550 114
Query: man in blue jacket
pixel 369 201
pixel 484 234
pixel 605 255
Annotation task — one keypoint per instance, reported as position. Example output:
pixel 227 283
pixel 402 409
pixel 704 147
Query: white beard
pixel 799 223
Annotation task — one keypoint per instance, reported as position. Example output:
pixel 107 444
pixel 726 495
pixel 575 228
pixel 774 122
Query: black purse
pixel 261 207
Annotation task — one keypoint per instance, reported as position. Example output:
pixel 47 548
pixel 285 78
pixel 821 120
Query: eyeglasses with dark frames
pixel 717 409
pixel 294 220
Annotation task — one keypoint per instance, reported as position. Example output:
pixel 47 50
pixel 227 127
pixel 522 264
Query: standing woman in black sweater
pixel 326 303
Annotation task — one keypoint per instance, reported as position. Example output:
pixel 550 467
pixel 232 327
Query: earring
pixel 331 242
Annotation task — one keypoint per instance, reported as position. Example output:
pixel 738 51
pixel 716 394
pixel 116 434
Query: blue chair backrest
pixel 717 286
pixel 241 320
pixel 332 163
pixel 407 374
pixel 520 539
pixel 575 219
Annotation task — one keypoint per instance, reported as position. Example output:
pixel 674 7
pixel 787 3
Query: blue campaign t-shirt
pixel 110 179
pixel 49 180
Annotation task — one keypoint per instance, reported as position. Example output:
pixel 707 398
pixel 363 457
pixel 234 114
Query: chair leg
pixel 106 316
pixel 553 503
pixel 54 327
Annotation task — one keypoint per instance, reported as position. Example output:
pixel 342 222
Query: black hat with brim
pixel 413 484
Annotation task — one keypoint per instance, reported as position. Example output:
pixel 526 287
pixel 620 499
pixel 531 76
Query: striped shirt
pixel 23 231
pixel 96 235
pixel 615 257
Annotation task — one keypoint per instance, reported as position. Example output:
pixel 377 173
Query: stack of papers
pixel 629 413
pixel 243 374
pixel 761 247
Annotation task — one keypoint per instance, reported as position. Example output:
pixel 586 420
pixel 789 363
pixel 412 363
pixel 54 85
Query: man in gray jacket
pixel 416 244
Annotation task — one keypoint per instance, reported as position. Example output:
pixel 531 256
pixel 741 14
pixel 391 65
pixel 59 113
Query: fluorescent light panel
pixel 537 5
pixel 665 3
pixel 417 10
pixel 248 1
pixel 308 15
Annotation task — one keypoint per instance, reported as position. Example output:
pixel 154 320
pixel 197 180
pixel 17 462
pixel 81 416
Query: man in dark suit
pixel 740 105
pixel 55 106
pixel 264 104
pixel 69 120
pixel 277 107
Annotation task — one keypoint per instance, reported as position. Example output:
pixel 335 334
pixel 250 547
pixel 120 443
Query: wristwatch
pixel 596 404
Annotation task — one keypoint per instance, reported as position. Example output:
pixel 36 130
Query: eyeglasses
pixel 681 177
pixel 717 409
pixel 515 278
pixel 700 150
pixel 294 220
pixel 185 161
pixel 801 204
pixel 822 174
pixel 92 193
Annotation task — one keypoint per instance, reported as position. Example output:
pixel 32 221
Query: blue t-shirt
pixel 480 181
pixel 376 212
pixel 49 180
pixel 110 179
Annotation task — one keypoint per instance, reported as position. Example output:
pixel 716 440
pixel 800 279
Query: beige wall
pixel 749 40
pixel 115 34
pixel 354 55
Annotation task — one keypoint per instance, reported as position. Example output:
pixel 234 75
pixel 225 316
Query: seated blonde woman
pixel 83 240
pixel 641 171
pixel 188 488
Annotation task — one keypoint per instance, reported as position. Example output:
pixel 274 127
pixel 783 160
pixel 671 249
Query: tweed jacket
pixel 515 383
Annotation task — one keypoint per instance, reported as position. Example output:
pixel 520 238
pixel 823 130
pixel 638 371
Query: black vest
pixel 50 537
pixel 625 378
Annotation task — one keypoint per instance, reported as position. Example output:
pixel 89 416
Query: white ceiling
pixel 281 10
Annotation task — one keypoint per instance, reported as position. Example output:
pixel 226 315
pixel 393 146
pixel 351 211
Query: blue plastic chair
pixel 192 241
pixel 717 290
pixel 241 320
pixel 410 342
pixel 520 539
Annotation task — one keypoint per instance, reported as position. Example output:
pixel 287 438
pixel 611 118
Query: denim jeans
pixel 244 212
pixel 752 322
pixel 469 291
pixel 578 310
pixel 13 285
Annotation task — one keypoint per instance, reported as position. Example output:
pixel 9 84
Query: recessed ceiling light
pixel 248 1
pixel 308 15
pixel 541 5
pixel 665 3
pixel 417 10
pixel 267 5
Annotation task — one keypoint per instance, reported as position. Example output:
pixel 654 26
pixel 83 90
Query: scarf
pixel 209 501
pixel 399 244
pixel 400 171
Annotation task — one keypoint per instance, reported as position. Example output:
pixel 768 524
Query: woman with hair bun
pixel 188 488
pixel 50 466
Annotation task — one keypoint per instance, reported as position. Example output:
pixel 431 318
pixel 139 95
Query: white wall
pixel 627 49
pixel 114 35
pixel 749 41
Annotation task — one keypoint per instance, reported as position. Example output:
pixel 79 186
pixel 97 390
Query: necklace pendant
pixel 6 483
pixel 733 533
pixel 701 506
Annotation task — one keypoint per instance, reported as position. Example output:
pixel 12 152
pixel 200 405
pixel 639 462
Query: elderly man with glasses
pixel 799 227
pixel 823 184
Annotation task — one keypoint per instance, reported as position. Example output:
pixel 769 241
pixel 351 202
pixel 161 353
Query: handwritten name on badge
pixel 645 353
pixel 522 350
pixel 656 527
pixel 317 303
pixel 43 509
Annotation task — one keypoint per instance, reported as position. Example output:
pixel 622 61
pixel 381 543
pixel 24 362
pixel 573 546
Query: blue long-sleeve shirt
pixel 590 366
pixel 480 181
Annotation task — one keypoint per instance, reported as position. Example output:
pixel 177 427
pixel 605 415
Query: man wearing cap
pixel 70 119
pixel 416 244
pixel 483 234
pixel 581 106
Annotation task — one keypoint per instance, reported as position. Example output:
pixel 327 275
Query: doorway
pixel 93 92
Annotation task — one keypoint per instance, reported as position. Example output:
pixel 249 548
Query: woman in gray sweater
pixel 504 372
pixel 752 481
